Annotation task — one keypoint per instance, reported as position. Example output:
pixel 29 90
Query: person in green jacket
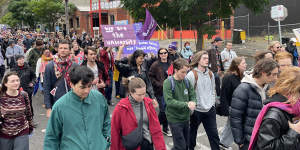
pixel 80 119
pixel 180 99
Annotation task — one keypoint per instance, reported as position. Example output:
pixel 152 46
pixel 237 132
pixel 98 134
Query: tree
pixel 9 20
pixel 22 13
pixel 47 11
pixel 191 12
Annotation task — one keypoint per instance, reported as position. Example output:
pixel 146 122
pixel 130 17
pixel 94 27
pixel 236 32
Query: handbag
pixel 135 138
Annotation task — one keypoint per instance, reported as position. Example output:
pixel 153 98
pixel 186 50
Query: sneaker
pixel 167 133
pixel 223 147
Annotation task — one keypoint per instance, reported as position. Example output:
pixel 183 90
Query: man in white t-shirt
pixel 227 55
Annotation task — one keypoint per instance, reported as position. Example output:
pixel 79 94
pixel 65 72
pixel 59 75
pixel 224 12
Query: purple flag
pixel 148 27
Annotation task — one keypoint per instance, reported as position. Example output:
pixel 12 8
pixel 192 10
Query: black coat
pixel 245 106
pixel 229 83
pixel 27 76
pixel 157 77
pixel 274 131
pixel 128 70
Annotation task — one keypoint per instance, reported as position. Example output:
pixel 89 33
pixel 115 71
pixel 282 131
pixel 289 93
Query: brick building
pixel 82 21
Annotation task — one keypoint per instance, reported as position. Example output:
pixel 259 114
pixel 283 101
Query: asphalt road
pixel 37 139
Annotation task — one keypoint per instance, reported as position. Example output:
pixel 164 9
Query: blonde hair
pixel 283 55
pixel 288 84
pixel 273 43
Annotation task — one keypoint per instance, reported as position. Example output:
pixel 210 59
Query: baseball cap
pixel 217 39
pixel 293 40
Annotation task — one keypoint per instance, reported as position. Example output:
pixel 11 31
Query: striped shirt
pixel 16 113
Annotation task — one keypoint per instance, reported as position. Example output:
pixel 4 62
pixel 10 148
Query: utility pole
pixel 67 18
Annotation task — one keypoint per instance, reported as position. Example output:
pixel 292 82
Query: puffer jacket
pixel 247 101
pixel 274 131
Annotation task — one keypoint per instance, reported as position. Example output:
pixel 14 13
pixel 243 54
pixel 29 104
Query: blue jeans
pixel 180 134
pixel 210 125
pixel 108 90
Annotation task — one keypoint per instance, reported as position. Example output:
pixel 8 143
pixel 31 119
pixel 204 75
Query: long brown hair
pixel 234 67
pixel 287 84
pixel 3 88
pixel 196 58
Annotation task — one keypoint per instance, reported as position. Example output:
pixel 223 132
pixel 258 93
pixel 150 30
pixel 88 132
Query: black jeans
pixel 162 114
pixel 2 71
pixel 210 125
pixel 218 83
pixel 180 133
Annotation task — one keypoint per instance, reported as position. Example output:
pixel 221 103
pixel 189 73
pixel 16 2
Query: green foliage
pixel 191 12
pixel 32 12
pixel 9 20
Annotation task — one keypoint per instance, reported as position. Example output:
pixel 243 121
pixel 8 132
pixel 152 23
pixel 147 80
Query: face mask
pixel 188 47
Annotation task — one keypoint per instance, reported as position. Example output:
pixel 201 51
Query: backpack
pixel 196 76
pixel 186 81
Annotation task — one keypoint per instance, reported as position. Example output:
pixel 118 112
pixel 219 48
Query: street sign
pixel 279 13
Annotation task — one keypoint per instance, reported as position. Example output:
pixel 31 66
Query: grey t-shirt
pixel 136 109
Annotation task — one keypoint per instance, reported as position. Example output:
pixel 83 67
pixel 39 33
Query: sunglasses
pixel 164 53
pixel 279 47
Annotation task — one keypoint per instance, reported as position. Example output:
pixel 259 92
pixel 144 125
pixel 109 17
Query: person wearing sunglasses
pixel 158 73
pixel 275 47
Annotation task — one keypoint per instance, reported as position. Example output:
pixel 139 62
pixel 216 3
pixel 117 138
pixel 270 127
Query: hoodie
pixel 205 89
pixel 260 90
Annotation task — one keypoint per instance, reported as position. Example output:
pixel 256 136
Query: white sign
pixel 106 5
pixel 279 13
pixel 297 34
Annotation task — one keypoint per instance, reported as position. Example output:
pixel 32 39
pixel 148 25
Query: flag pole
pixel 163 32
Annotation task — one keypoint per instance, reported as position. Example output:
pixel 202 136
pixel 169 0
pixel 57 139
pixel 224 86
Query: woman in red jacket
pixel 135 123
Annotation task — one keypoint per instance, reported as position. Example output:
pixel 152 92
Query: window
pixel 77 22
pixel 71 23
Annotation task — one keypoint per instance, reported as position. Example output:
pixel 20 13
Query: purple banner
pixel 146 46
pixel 148 27
pixel 137 27
pixel 117 35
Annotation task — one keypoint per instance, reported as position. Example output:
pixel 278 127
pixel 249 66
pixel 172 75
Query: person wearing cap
pixel 292 48
pixel 27 77
pixel 173 55
pixel 11 51
pixel 215 62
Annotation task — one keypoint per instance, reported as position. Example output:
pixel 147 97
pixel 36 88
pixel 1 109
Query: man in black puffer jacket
pixel 247 100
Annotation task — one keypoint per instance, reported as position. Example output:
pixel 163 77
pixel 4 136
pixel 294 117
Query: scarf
pixel 44 62
pixel 62 68
pixel 291 109
pixel 45 58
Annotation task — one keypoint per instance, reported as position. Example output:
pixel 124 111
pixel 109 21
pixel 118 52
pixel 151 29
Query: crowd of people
pixel 170 93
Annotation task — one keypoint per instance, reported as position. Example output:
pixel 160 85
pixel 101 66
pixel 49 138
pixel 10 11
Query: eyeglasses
pixel 279 47
pixel 164 53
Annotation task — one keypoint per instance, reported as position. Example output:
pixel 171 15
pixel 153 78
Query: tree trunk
pixel 199 44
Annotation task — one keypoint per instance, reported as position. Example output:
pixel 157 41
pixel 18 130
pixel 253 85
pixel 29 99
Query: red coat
pixel 105 59
pixel 124 121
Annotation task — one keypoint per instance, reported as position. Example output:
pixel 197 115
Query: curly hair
pixel 288 84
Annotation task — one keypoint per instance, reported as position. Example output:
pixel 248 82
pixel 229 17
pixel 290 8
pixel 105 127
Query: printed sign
pixel 146 46
pixel 138 27
pixel 297 33
pixel 121 22
pixel 117 35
